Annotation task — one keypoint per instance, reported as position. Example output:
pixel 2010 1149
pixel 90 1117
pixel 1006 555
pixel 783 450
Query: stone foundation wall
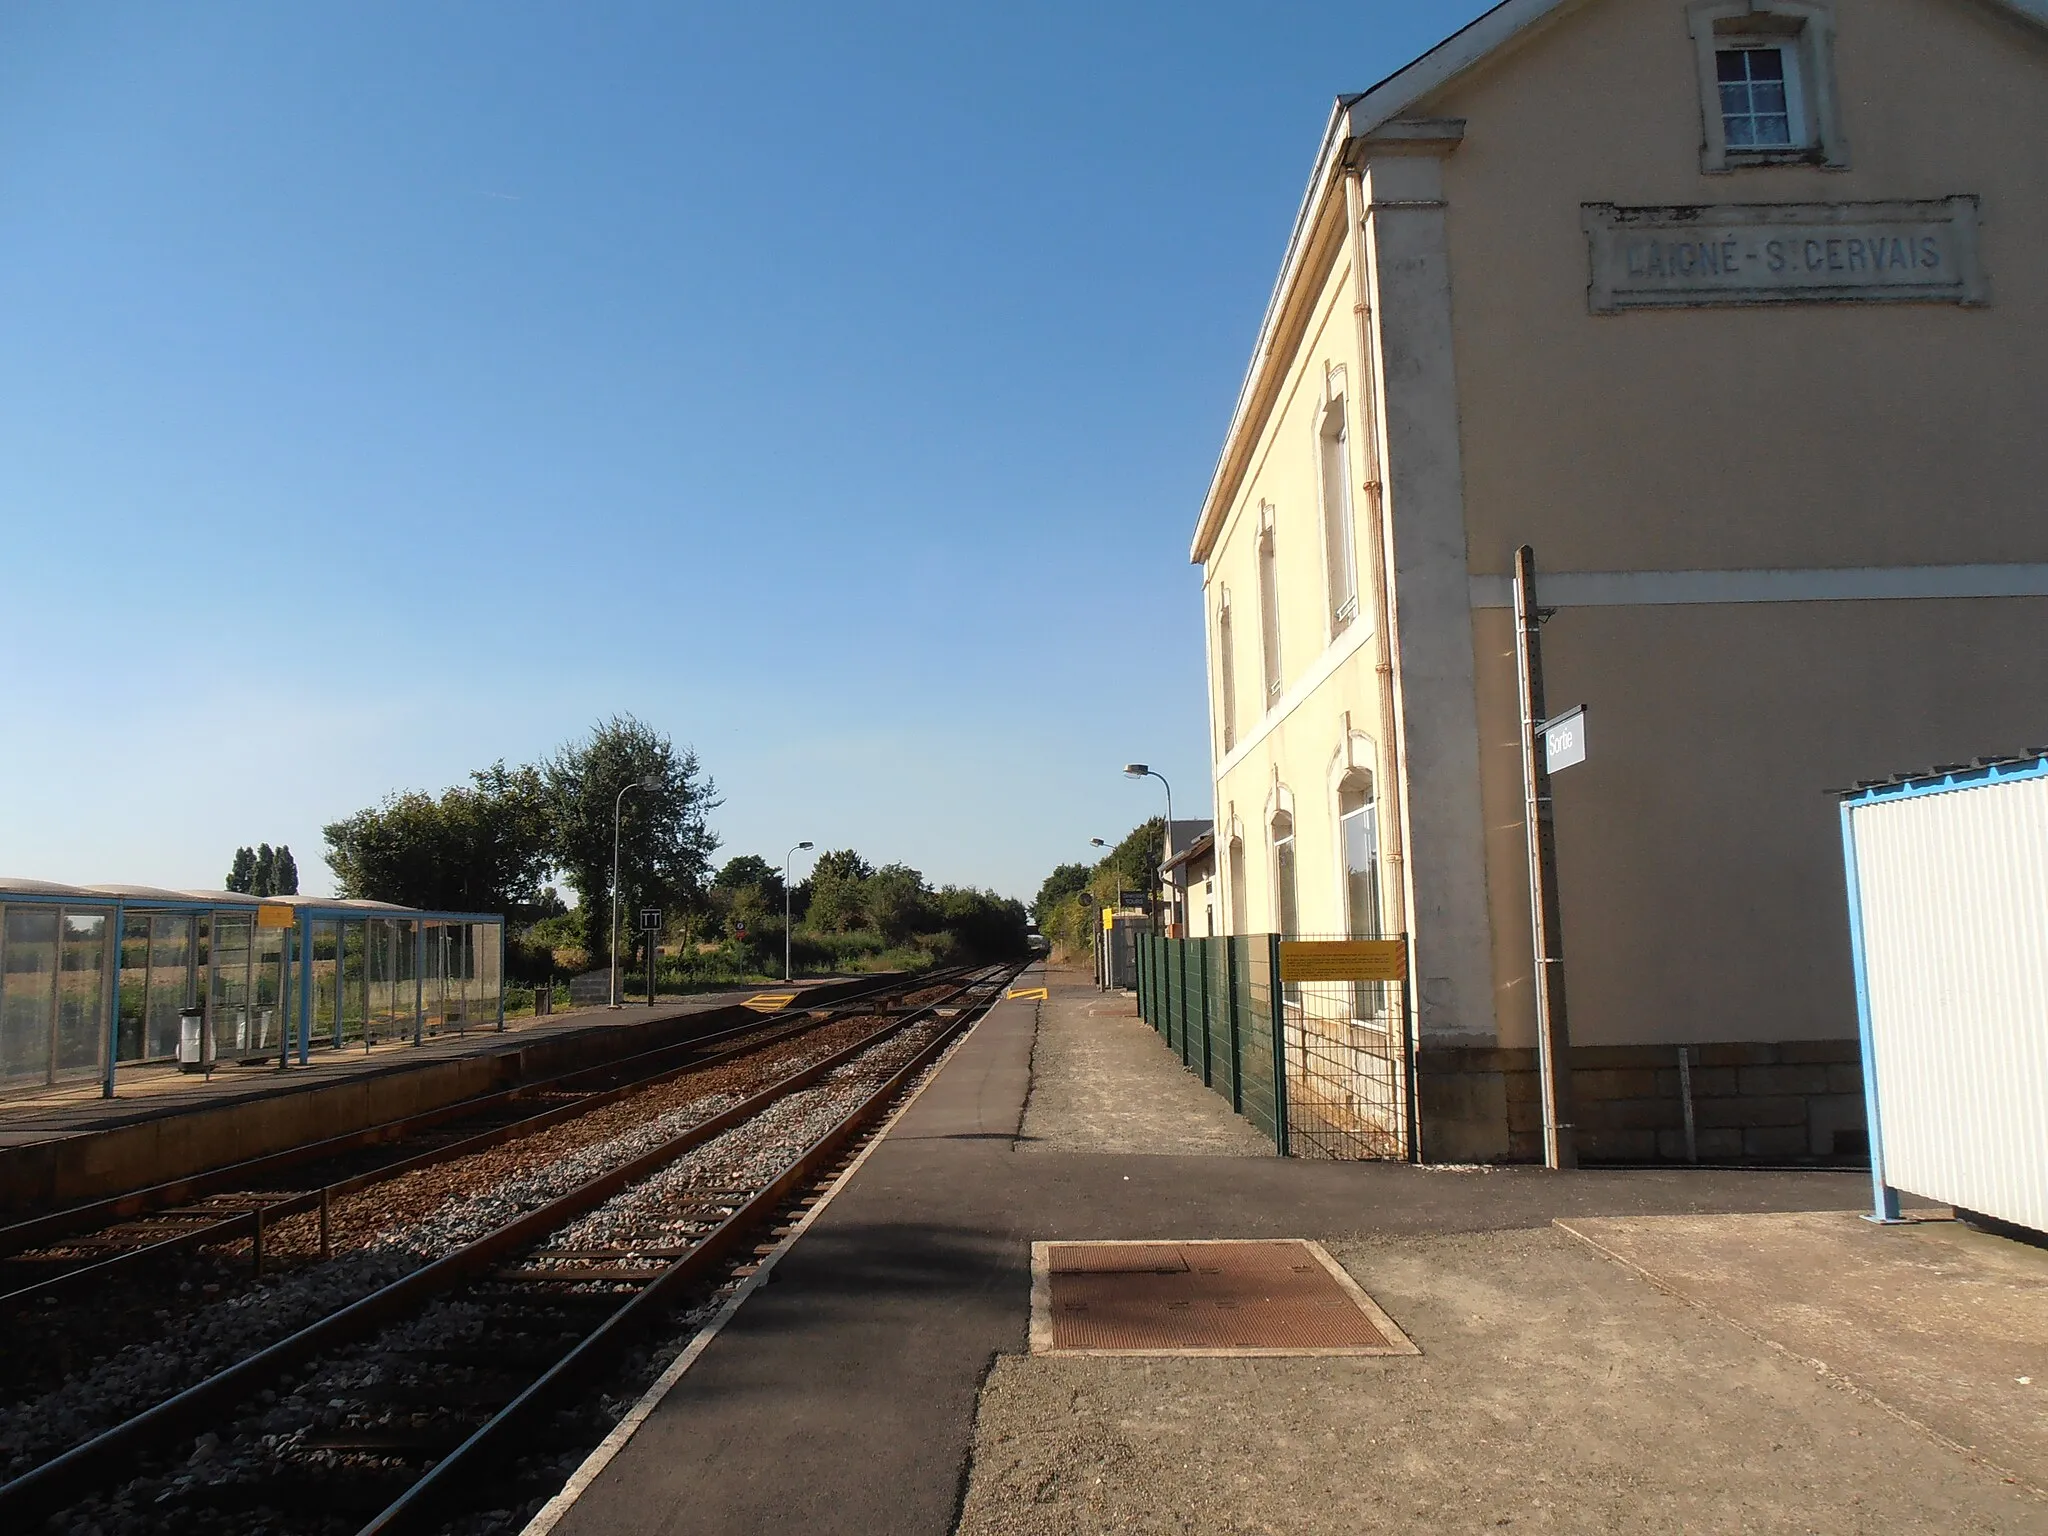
pixel 1795 1101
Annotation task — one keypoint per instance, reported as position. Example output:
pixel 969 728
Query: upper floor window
pixel 1269 605
pixel 1766 82
pixel 1340 546
pixel 1226 671
pixel 1761 100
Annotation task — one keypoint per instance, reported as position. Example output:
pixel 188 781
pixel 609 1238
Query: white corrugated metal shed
pixel 1948 916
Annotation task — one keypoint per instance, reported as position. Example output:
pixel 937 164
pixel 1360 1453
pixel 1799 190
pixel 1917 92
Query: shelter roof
pixel 18 886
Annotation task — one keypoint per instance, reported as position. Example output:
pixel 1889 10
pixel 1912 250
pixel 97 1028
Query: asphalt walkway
pixel 881 1383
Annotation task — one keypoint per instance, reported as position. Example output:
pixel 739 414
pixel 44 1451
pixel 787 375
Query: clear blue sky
pixel 386 389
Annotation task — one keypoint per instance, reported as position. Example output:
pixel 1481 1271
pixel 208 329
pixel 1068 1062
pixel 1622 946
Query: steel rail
pixel 41 1231
pixel 430 1494
pixel 47 1488
pixel 233 1225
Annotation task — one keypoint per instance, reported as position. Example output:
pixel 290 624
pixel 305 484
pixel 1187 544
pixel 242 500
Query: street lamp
pixel 652 781
pixel 1140 771
pixel 786 973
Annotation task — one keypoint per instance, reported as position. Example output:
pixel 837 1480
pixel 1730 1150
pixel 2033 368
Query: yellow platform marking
pixel 769 1002
pixel 1027 994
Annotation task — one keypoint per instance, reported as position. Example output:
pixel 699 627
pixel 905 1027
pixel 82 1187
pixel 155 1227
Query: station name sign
pixel 1921 252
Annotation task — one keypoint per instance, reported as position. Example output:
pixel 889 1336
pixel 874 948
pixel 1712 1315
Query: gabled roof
pixel 1356 117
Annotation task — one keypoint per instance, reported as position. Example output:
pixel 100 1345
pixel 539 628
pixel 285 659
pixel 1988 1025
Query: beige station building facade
pixel 1736 312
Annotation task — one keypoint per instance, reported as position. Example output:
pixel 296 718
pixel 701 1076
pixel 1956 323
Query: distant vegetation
pixel 264 871
pixel 850 915
pixel 495 844
pixel 1069 904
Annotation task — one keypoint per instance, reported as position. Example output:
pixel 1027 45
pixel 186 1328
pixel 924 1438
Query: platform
pixel 882 1381
pixel 67 1144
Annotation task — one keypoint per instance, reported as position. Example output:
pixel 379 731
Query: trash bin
pixel 195 1043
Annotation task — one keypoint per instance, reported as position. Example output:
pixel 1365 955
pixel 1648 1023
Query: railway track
pixel 458 1385
pixel 59 1255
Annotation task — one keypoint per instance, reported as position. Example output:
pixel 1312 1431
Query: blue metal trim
pixel 305 988
pixel 1884 1200
pixel 113 1040
pixel 419 982
pixel 1949 783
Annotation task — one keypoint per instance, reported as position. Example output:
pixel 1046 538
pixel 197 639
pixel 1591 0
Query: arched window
pixel 1226 668
pixel 1358 821
pixel 1333 438
pixel 1269 606
pixel 1358 825
pixel 1286 912
pixel 1234 920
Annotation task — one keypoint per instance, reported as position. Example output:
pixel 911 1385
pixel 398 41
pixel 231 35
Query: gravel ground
pixel 197 1495
pixel 1556 1391
pixel 392 1229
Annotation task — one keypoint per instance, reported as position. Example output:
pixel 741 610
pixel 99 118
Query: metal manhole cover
pixel 1282 1296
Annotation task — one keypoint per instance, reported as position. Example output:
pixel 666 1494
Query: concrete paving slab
pixel 1554 1392
pixel 1097 1084
pixel 1944 1325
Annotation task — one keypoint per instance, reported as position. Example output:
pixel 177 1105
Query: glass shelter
pixel 94 979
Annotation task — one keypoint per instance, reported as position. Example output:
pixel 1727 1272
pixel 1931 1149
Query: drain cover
pixel 1281 1296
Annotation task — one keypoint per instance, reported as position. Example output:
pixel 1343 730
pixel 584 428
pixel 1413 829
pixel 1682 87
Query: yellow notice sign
pixel 1108 919
pixel 270 915
pixel 1027 994
pixel 1344 960
pixel 769 1002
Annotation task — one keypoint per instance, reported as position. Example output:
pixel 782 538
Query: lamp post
pixel 1096 941
pixel 651 781
pixel 787 974
pixel 1140 771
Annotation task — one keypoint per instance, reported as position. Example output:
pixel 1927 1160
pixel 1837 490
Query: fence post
pixel 1137 971
pixel 1230 997
pixel 1208 1049
pixel 1408 1055
pixel 1179 951
pixel 1277 998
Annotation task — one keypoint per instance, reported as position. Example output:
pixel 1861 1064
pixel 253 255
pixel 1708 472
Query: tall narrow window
pixel 1269 609
pixel 1359 835
pixel 1226 667
pixel 1286 914
pixel 1234 919
pixel 1340 548
pixel 1358 818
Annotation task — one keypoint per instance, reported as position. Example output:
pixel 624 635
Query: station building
pixel 95 980
pixel 1734 311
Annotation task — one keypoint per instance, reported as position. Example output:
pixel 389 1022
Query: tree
pixel 665 845
pixel 242 872
pixel 266 871
pixel 750 869
pixel 988 926
pixel 1065 881
pixel 838 896
pixel 484 848
pixel 841 864
pixel 897 902
pixel 287 872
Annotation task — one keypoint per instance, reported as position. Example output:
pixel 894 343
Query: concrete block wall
pixel 1798 1101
